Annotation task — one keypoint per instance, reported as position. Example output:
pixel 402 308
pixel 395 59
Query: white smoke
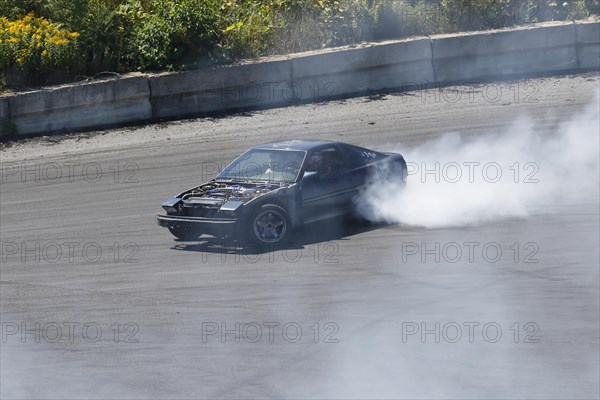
pixel 523 170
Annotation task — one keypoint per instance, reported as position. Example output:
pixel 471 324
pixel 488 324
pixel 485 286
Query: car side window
pixel 327 161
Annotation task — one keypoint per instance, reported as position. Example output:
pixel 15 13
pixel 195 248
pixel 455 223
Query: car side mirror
pixel 309 175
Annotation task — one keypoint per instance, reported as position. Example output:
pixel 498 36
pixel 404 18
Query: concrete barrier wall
pixel 83 106
pixel 373 67
pixel 309 77
pixel 588 45
pixel 4 107
pixel 489 55
pixel 219 89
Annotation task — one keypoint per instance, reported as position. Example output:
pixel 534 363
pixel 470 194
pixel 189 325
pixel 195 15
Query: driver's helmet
pixel 313 163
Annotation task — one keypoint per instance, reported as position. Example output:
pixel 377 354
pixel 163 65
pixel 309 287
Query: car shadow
pixel 317 232
pixel 333 229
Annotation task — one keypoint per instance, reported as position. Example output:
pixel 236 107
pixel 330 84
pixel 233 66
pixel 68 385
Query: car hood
pixel 216 193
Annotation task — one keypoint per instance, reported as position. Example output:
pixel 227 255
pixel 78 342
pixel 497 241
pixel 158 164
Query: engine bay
pixel 215 193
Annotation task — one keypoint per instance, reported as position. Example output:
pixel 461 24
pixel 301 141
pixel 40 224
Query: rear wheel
pixel 269 226
pixel 398 172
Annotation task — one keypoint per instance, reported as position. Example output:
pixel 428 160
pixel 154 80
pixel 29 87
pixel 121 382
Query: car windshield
pixel 265 164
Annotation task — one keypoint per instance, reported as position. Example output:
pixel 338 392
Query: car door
pixel 329 189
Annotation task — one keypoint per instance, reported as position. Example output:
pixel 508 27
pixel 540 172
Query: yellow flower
pixel 31 33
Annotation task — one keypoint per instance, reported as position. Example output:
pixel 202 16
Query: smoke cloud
pixel 459 180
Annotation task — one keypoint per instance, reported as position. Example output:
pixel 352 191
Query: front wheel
pixel 270 225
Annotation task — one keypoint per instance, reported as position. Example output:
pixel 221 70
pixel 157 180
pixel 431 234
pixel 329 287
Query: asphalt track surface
pixel 349 283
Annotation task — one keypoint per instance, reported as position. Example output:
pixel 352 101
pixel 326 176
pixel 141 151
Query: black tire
pixel 183 234
pixel 404 172
pixel 268 226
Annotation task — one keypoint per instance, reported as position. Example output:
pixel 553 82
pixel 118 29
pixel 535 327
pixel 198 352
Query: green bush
pixel 167 34
pixel 592 6
pixel 247 28
pixel 250 28
pixel 396 19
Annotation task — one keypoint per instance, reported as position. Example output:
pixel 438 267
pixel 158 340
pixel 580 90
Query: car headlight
pixel 171 205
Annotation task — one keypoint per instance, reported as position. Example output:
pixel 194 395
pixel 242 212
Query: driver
pixel 279 161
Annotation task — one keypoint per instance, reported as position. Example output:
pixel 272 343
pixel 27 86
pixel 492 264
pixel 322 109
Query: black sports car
pixel 274 187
